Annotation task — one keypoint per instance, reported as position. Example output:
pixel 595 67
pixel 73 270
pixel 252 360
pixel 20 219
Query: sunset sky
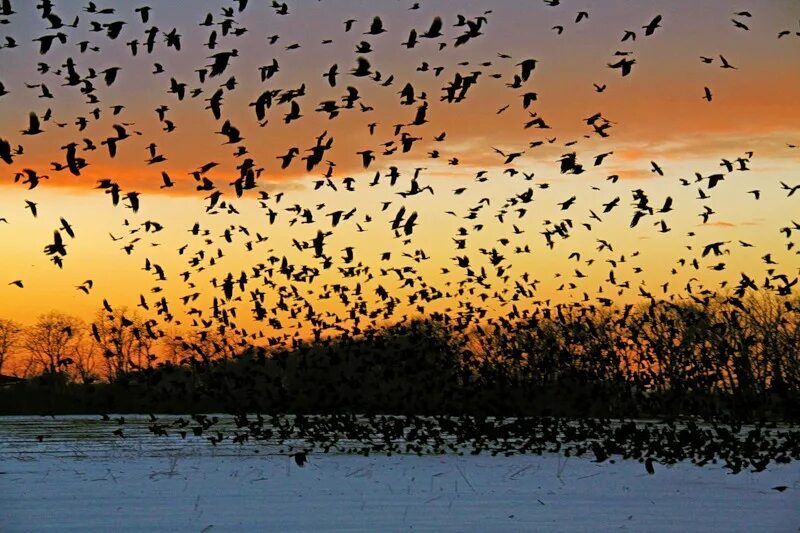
pixel 657 114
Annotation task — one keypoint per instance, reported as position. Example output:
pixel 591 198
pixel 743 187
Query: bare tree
pixel 84 369
pixel 9 335
pixel 171 348
pixel 52 342
pixel 124 341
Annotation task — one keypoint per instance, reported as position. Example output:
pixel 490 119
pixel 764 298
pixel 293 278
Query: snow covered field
pixel 81 478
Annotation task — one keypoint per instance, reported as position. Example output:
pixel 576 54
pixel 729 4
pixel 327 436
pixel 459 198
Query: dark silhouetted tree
pixel 9 336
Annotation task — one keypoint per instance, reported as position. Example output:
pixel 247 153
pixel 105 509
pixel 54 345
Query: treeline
pixel 63 348
pixel 722 357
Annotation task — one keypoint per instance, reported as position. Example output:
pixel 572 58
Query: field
pixel 82 478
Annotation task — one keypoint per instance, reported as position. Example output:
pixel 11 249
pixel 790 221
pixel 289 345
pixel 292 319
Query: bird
pixel 651 27
pixel 624 65
pixel 57 248
pixel 566 204
pixel 412 41
pixel 362 68
pixel 144 13
pixel 376 27
pixel 509 157
pixel 331 75
pixel 434 30
pixel 740 25
pixel 526 68
pixel 655 168
pixel 133 200
pixel 231 132
pixel 33 125
pixel 367 157
pixel 5 152
pixel 110 75
pixel 32 206
pixel 167 181
pixel 300 458
pixel 86 286
pixel 67 227
pixel 791 189
pixel 725 63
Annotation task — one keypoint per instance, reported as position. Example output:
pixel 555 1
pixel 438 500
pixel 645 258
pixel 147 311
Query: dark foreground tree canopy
pixel 715 358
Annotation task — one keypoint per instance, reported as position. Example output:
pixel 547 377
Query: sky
pixel 479 242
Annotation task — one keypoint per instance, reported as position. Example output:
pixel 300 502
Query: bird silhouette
pixel 725 63
pixel 652 26
pixel 300 458
pixel 434 31
pixel 376 27
pixel 624 65
pixel 33 125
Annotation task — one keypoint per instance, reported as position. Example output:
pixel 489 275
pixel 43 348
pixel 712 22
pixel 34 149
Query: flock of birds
pixel 735 447
pixel 284 290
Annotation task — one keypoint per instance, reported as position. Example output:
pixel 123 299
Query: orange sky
pixel 657 113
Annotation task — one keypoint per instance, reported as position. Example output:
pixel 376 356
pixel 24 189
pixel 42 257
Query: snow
pixel 81 479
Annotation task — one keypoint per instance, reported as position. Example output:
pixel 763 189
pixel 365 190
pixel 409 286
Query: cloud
pixel 720 224
pixel 766 144
pixel 282 185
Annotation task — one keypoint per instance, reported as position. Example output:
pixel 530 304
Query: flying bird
pixel 33 125
pixel 624 65
pixel 651 27
pixel 376 28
